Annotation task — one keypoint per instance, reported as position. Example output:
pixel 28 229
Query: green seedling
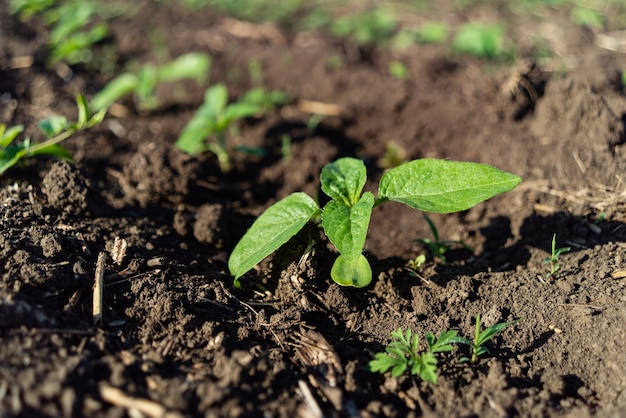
pixel 436 247
pixel 76 26
pixel 402 355
pixel 428 185
pixel 554 258
pixel 193 66
pixel 480 40
pixel 56 129
pixel 206 131
pixel 371 27
pixel 481 337
pixel 398 70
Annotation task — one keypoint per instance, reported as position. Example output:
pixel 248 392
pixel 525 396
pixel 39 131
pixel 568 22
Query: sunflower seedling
pixel 206 131
pixel 554 258
pixel 429 185
pixel 436 247
pixel 481 337
pixel 402 355
pixel 56 129
pixel 193 66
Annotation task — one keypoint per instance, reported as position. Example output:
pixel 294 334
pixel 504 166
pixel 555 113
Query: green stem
pixel 476 336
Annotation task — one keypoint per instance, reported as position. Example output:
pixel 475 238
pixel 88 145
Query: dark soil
pixel 177 339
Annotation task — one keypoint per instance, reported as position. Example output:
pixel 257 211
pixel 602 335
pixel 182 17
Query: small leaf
pixel 382 363
pixel 193 66
pixel 343 180
pixel 8 136
pixel 238 111
pixel 11 155
pixel 357 273
pixel 53 126
pixel 272 229
pixel 492 331
pixel 440 186
pixel 117 88
pixel 346 227
pixel 215 100
pixel 83 111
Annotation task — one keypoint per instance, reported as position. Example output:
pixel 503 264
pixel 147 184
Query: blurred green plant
pixel 372 27
pixel 206 131
pixel 587 16
pixel 398 70
pixel 433 32
pixel 56 129
pixel 76 26
pixel 193 66
pixel 481 40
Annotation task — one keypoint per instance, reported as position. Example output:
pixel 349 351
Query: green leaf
pixel 238 111
pixel 53 126
pixel 11 155
pixel 54 150
pixel 8 136
pixel 344 179
pixel 83 111
pixel 440 186
pixel 193 66
pixel 272 229
pixel 215 100
pixel 492 331
pixel 382 362
pixel 117 88
pixel 346 227
pixel 357 273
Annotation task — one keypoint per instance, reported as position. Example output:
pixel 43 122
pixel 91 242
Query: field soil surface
pixel 176 337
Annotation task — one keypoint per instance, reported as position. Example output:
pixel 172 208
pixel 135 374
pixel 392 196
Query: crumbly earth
pixel 177 339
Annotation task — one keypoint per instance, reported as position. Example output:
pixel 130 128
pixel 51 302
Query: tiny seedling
pixel 481 337
pixel 428 185
pixel 554 258
pixel 436 247
pixel 206 131
pixel 480 40
pixel 193 66
pixel 56 129
pixel 402 355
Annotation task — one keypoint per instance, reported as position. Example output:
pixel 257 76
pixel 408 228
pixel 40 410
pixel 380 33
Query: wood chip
pixel 98 288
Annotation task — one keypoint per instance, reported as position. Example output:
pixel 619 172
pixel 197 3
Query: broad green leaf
pixel 117 88
pixel 193 66
pixel 357 273
pixel 344 179
pixel 54 150
pixel 238 111
pixel 346 227
pixel 272 229
pixel 53 126
pixel 8 135
pixel 10 156
pixel 440 186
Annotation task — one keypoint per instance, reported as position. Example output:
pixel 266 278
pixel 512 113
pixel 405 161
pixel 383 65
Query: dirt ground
pixel 177 339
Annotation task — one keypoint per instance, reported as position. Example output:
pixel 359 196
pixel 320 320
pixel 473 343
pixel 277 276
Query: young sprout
pixel 438 248
pixel 429 185
pixel 481 337
pixel 554 257
pixel 403 355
